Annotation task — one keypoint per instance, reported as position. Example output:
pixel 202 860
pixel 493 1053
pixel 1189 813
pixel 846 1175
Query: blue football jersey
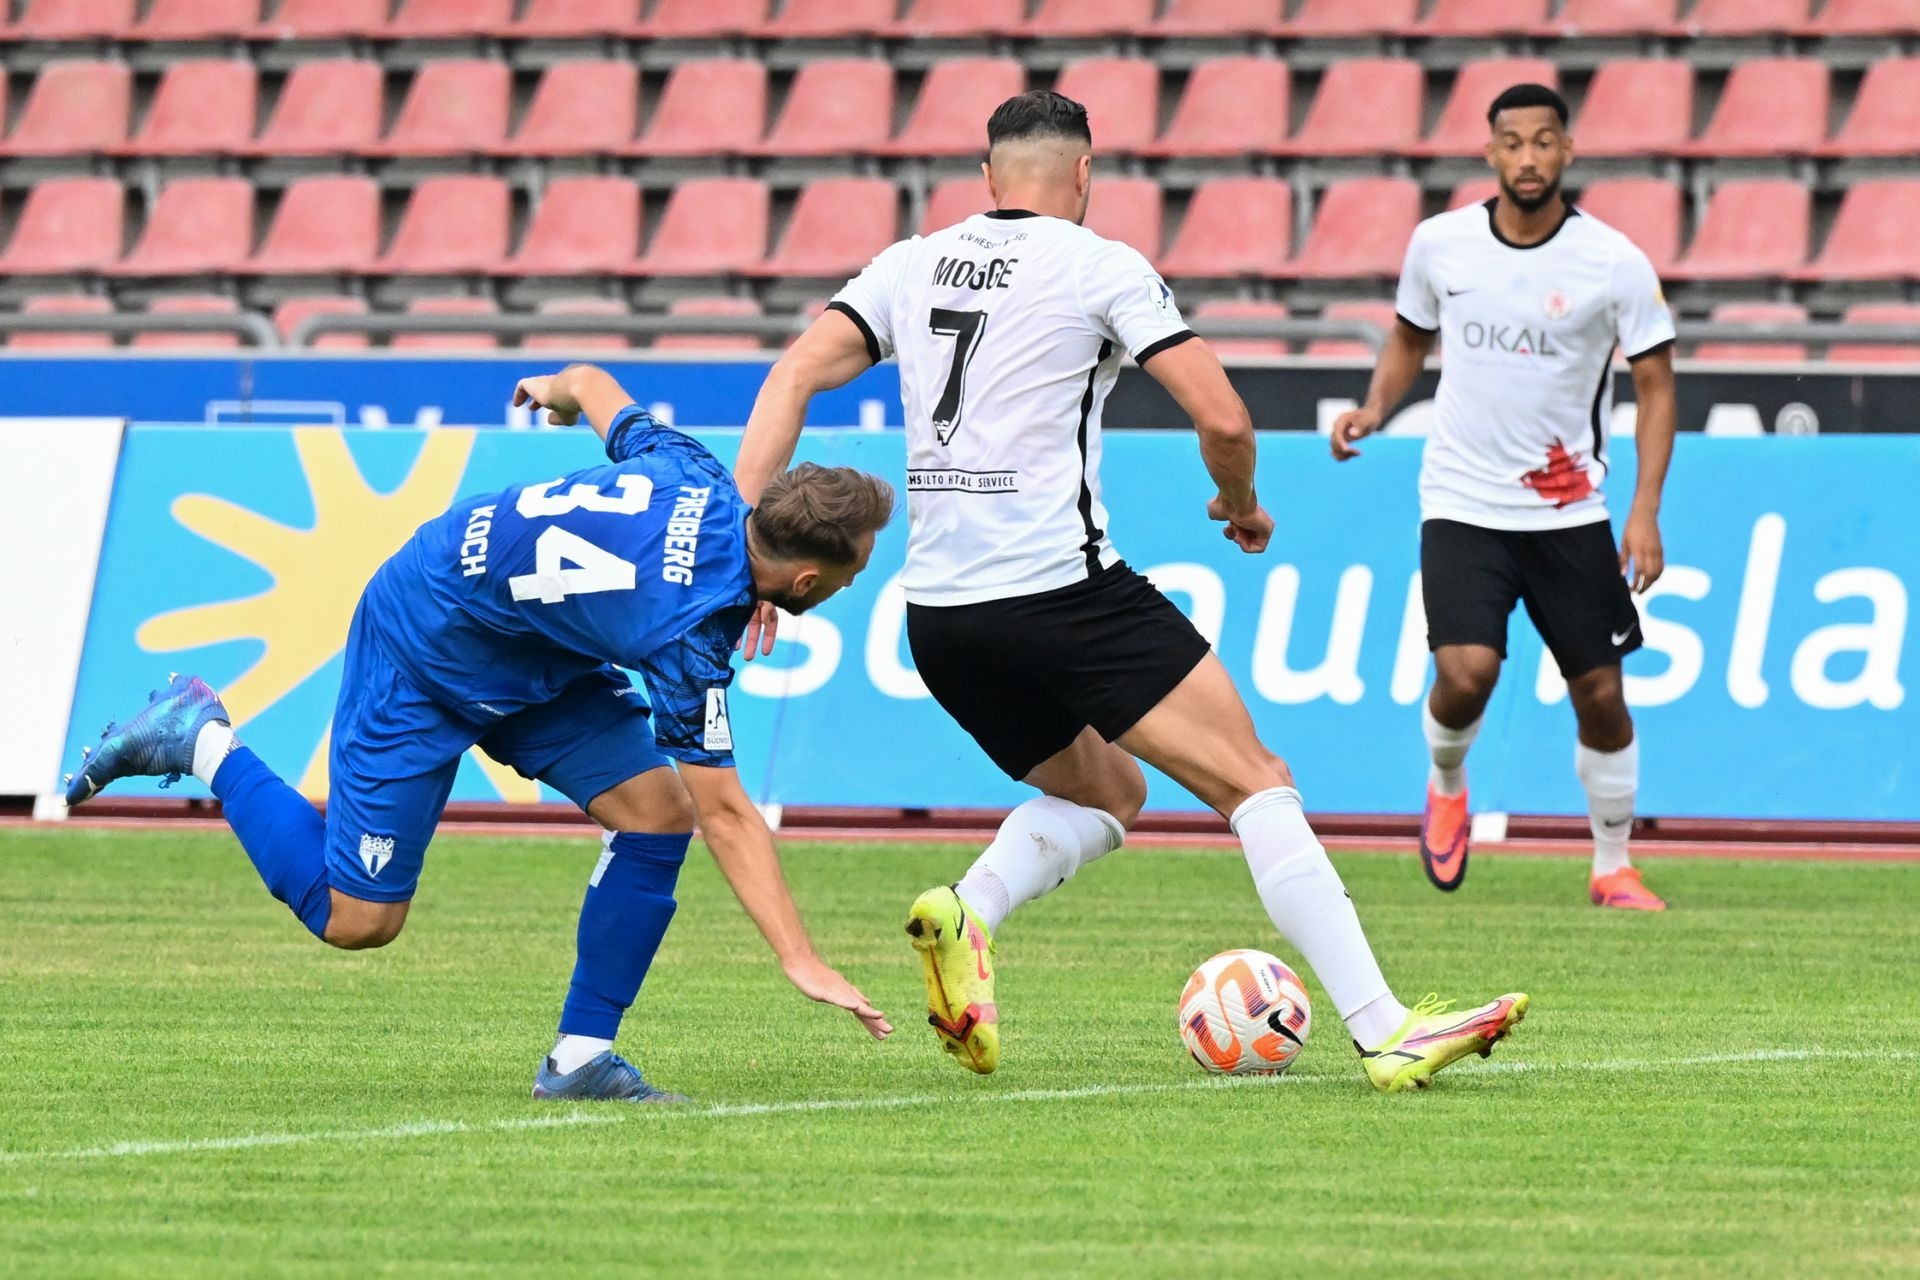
pixel 508 597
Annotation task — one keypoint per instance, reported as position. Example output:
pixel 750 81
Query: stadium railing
pixel 251 328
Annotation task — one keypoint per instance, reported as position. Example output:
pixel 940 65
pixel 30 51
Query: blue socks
pixel 628 906
pixel 284 835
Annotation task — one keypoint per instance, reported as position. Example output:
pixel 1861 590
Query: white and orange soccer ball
pixel 1244 1013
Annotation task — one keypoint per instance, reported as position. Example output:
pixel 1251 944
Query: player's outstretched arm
pixel 1655 418
pixel 575 390
pixel 1193 376
pixel 831 353
pixel 744 848
pixel 1400 363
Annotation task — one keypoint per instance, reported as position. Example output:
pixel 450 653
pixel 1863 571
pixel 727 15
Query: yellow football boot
pixel 1434 1035
pixel 957 953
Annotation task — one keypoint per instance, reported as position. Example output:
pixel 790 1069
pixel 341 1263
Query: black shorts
pixel 1025 675
pixel 1570 580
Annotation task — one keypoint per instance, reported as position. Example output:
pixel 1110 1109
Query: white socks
pixel 1309 906
pixel 1611 779
pixel 1448 747
pixel 1038 848
pixel 570 1053
pixel 210 748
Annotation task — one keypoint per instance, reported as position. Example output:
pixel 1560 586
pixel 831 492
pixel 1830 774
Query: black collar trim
pixel 1012 213
pixel 1493 226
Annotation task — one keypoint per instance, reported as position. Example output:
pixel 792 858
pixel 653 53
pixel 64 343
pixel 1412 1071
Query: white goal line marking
pixel 613 1114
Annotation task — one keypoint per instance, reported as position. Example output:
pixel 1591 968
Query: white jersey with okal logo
pixel 1010 328
pixel 1527 334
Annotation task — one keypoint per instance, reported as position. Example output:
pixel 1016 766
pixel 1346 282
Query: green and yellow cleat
pixel 957 952
pixel 1435 1036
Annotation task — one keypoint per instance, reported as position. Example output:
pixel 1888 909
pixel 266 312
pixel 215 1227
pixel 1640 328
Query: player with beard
pixel 1531 296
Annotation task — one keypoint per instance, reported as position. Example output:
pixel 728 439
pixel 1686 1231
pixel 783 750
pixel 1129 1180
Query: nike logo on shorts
pixel 1621 638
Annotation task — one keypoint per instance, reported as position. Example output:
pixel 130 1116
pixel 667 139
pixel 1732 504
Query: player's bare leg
pixel 355 924
pixel 1607 759
pixel 1202 736
pixel 1464 677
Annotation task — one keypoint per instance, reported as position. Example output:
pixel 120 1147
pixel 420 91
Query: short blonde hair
pixel 820 513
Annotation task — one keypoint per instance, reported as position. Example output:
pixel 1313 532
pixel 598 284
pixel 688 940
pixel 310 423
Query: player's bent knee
pixel 654 802
pixel 356 924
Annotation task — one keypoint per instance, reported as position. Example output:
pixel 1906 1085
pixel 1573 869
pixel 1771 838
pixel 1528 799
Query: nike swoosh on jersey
pixel 1454 293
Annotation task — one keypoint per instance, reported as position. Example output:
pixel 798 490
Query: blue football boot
pixel 606 1077
pixel 157 743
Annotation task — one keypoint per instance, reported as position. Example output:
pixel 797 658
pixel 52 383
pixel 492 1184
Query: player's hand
pixel 1642 558
pixel 548 392
pixel 818 980
pixel 1354 424
pixel 1250 529
pixel 762 627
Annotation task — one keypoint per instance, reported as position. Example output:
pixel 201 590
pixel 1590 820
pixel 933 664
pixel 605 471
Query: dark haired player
pixel 1027 626
pixel 1531 296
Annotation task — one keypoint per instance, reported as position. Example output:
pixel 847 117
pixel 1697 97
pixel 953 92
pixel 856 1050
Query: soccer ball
pixel 1244 1013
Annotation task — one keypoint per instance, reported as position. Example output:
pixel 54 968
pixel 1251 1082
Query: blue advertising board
pixel 1773 684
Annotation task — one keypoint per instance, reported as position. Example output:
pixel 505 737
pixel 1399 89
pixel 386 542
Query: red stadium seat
pixel 1232 106
pixel 1075 18
pixel 179 304
pixel 954 200
pixel 584 226
pixel 710 341
pixel 430 19
pixel 203 107
pixel 199 20
pixel 1615 18
pixel 825 19
pixel 712 226
pixel 1770 107
pixel 63 304
pixel 1127 210
pixel 448 341
pixel 1482 17
pixel 585 339
pixel 1122 98
pixel 74 20
pixel 580 108
pixel 1360 229
pixel 197 226
pixel 288 315
pixel 578 19
pixel 1746 17
pixel 1392 90
pixel 709 107
pixel 457 106
pixel 1351 18
pixel 1636 107
pixel 1755 313
pixel 1873 235
pixel 1872 313
pixel 837 227
pixel 324 19
pixel 1462 127
pixel 950 116
pixel 67 225
pixel 1242 309
pixel 1233 227
pixel 934 19
pixel 836 105
pixel 1219 18
pixel 1754 228
pixel 1885 120
pixel 1865 18
pixel 704 19
pixel 1473 191
pixel 1378 312
pixel 75 106
pixel 453 225
pixel 326 225
pixel 327 107
pixel 1647 211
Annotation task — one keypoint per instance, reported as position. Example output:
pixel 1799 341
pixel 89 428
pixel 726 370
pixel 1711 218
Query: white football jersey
pixel 1010 328
pixel 1527 333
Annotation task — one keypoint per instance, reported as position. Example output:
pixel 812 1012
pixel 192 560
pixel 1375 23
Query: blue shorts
pixel 395 752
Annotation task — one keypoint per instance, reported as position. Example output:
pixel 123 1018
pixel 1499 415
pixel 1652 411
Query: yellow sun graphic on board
pixel 318 574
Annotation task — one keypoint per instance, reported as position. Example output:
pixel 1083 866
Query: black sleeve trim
pixel 1165 344
pixel 866 330
pixel 1411 325
pixel 1653 350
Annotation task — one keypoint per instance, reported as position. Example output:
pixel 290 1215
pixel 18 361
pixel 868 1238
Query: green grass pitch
pixel 193 1087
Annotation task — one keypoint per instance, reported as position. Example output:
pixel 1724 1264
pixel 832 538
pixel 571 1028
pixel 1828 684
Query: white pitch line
pixel 725 1110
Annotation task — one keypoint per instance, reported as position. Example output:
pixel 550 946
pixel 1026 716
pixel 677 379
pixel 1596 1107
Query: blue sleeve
pixel 636 433
pixel 687 680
